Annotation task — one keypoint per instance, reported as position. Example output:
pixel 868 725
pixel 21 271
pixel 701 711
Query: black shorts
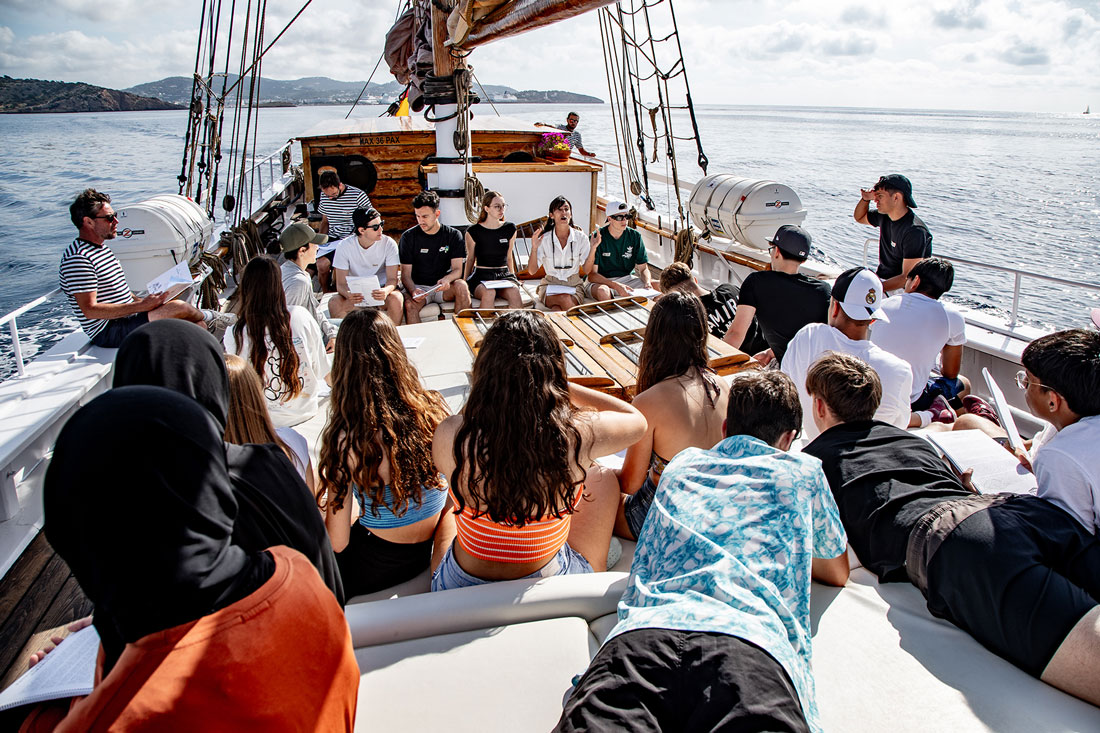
pixel 480 274
pixel 1017 577
pixel 370 563
pixel 659 679
pixel 117 329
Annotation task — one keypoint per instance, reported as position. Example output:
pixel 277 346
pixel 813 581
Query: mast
pixel 450 161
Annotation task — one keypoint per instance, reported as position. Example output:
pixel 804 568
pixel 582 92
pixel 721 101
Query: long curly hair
pixel 676 343
pixel 518 447
pixel 263 313
pixel 375 389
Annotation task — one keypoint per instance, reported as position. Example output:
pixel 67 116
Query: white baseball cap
pixel 859 292
pixel 617 207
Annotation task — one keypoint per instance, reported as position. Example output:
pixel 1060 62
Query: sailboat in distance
pixel 1086 110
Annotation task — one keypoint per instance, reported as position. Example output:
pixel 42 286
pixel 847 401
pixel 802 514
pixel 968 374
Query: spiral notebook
pixel 67 671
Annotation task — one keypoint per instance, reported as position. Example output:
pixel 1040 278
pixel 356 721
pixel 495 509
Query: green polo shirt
pixel 618 257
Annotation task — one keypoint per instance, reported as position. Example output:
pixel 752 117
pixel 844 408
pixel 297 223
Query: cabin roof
pixel 367 125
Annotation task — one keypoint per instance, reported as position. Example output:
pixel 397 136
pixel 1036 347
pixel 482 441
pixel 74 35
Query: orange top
pixel 279 659
pixel 536 541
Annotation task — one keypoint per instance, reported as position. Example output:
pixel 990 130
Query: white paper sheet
pixel 498 284
pixel 647 292
pixel 175 278
pixel 995 469
pixel 366 286
pixel 1000 404
pixel 412 342
pixel 560 290
pixel 427 292
pixel 67 671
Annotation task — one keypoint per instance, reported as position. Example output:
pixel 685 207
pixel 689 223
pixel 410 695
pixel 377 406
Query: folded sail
pixel 476 22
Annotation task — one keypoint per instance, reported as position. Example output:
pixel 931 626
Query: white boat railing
pixel 13 327
pixel 1018 277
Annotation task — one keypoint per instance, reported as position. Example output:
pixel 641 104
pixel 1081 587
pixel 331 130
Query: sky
pixel 1012 55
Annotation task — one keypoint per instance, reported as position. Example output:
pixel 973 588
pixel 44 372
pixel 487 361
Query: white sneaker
pixel 218 322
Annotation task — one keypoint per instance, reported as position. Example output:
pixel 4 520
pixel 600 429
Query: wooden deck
pixel 39 594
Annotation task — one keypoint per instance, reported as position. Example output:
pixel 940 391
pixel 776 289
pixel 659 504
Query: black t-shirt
pixel 491 245
pixel 785 303
pixel 430 254
pixel 905 239
pixel 721 305
pixel 883 480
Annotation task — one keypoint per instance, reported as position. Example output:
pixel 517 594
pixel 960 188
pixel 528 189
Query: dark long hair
pixel 518 447
pixel 676 343
pixel 486 200
pixel 264 313
pixel 555 204
pixel 375 388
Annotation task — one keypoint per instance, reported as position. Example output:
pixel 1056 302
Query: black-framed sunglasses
pixel 108 217
pixel 377 226
pixel 619 217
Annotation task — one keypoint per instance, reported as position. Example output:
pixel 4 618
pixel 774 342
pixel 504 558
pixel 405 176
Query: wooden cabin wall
pixel 397 157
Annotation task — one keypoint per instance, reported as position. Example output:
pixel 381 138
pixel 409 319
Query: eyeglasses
pixel 499 207
pixel 377 226
pixel 108 217
pixel 1023 381
pixel 619 217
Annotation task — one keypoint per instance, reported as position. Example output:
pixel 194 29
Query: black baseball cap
pixel 793 240
pixel 362 217
pixel 897 182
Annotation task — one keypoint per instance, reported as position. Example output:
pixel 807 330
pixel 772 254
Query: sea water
pixel 1013 189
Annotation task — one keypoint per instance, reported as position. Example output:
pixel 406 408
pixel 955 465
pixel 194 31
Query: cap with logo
pixel 859 292
pixel 792 240
pixel 897 182
pixel 298 235
pixel 617 207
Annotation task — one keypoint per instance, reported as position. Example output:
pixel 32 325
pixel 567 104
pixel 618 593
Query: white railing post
pixel 16 349
pixel 1015 300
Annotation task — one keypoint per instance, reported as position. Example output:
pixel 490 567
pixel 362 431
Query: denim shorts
pixel 449 575
pixel 637 504
pixel 117 329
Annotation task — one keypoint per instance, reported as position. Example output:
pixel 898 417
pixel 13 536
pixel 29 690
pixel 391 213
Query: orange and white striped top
pixel 537 540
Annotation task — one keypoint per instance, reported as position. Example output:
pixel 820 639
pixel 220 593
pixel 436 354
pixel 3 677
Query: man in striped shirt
pixel 573 134
pixel 337 203
pixel 92 278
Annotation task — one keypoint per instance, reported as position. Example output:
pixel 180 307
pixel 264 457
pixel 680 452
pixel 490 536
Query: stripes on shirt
pixel 574 137
pixel 87 268
pixel 338 210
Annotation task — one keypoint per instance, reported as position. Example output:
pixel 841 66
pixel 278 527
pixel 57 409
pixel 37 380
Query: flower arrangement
pixel 553 145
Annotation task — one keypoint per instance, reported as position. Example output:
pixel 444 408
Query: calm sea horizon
pixel 1014 189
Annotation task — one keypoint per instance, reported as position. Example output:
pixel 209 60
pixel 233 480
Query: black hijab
pixel 139 504
pixel 275 507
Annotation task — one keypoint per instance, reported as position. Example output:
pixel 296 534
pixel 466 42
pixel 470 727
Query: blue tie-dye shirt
pixel 726 547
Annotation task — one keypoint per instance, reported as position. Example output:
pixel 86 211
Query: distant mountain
pixel 36 95
pixel 322 90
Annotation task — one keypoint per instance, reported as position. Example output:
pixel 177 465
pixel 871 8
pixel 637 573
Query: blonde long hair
pixel 248 420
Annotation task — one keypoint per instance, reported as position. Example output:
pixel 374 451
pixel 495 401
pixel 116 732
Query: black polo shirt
pixel 430 254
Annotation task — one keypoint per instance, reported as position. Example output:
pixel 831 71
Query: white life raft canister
pixel 745 210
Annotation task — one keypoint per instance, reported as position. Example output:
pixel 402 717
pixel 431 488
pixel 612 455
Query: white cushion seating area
pixel 501 657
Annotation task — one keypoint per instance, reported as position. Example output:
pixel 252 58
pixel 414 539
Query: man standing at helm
pixel 903 239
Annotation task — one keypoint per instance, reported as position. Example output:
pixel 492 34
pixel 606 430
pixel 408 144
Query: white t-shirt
pixel 918 330
pixel 563 262
pixel 1067 469
pixel 299 446
pixel 815 340
pixel 313 367
pixel 361 262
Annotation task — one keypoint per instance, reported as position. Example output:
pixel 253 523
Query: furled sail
pixel 476 22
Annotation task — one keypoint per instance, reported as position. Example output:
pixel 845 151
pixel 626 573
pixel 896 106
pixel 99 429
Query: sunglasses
pixel 375 227
pixel 108 217
pixel 619 217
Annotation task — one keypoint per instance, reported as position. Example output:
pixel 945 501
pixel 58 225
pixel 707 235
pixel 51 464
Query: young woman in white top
pixel 290 356
pixel 562 250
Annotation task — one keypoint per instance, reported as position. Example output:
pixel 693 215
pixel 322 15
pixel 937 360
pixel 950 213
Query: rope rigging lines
pixel 645 74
